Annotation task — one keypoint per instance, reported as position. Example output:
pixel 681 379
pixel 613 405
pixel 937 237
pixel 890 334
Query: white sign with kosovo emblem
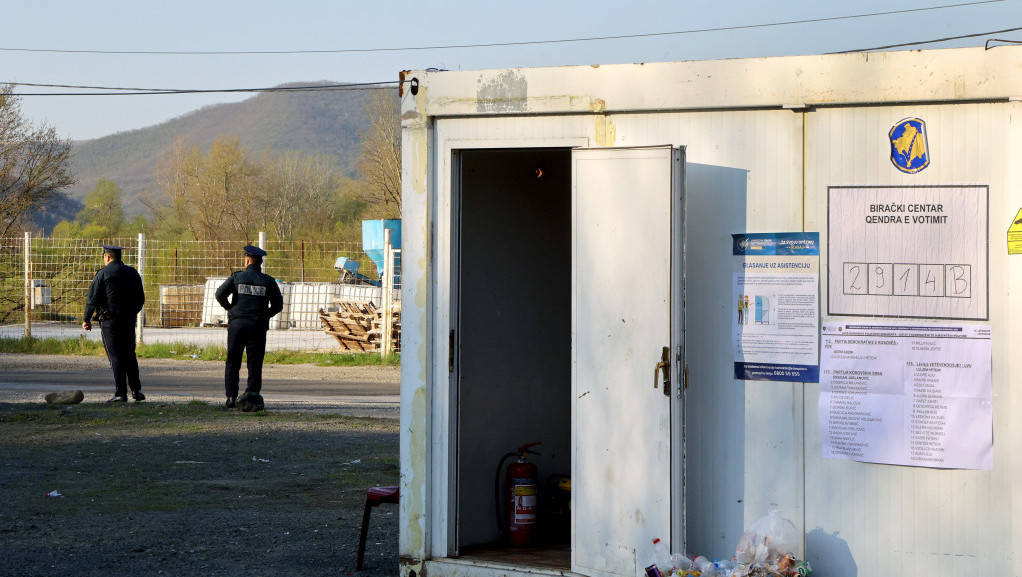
pixel 908 251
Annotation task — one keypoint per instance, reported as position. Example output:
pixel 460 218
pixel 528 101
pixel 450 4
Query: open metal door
pixel 627 289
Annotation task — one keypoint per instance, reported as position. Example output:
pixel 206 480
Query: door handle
pixel 664 367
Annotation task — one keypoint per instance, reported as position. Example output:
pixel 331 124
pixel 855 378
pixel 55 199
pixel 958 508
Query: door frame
pixel 442 403
pixel 443 460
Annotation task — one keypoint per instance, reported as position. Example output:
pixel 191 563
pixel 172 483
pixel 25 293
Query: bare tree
pixel 295 188
pixel 212 196
pixel 34 164
pixel 379 164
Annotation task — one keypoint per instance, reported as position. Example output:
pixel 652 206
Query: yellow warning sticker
pixel 1015 234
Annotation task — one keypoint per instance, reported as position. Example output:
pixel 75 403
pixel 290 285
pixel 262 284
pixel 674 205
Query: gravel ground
pixel 177 487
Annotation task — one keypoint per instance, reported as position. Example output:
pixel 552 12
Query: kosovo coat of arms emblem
pixel 909 150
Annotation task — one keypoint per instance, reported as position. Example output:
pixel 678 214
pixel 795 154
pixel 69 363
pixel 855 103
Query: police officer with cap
pixel 251 298
pixel 115 298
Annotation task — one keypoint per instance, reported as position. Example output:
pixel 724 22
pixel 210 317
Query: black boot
pixel 231 402
pixel 137 395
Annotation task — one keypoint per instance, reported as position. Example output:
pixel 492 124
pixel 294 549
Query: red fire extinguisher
pixel 522 497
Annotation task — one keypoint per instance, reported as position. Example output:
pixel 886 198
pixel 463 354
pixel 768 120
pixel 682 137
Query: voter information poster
pixel 775 309
pixel 913 394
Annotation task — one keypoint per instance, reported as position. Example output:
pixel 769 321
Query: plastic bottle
pixel 681 563
pixel 662 556
pixel 727 567
pixel 705 566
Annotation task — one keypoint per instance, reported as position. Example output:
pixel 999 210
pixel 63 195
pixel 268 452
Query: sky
pixel 83 43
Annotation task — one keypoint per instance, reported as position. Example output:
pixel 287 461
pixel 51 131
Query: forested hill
pixel 317 121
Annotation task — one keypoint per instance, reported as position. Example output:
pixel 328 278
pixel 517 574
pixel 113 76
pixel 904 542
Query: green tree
pixel 35 164
pixel 103 213
pixel 135 225
pixel 67 229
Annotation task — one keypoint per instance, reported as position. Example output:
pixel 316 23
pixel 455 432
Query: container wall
pixel 862 518
pixel 750 446
pixel 744 174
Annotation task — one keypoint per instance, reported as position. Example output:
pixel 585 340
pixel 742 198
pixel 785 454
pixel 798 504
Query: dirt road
pixel 360 391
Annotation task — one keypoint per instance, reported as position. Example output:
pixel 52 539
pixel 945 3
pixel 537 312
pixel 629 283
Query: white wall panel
pixel 863 518
pixel 1008 306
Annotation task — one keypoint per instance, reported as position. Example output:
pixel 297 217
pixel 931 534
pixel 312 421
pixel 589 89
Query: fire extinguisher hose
pixel 496 492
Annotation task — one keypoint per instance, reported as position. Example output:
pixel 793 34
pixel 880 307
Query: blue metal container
pixel 372 239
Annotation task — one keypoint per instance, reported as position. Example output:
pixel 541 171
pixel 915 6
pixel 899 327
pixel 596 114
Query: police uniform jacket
pixel 115 292
pixel 250 294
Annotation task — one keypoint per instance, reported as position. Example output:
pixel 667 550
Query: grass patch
pixel 185 417
pixel 80 346
pixel 182 351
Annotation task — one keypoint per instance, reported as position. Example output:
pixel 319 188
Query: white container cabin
pixel 563 227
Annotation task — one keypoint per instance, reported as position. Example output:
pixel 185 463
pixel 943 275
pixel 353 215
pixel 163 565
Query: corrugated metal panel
pixel 864 519
pixel 1008 282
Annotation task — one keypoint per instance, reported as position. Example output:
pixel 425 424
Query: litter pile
pixel 765 550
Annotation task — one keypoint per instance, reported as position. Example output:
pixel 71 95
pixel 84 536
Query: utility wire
pixel 904 44
pixel 385 85
pixel 499 44
pixel 299 88
pixel 124 91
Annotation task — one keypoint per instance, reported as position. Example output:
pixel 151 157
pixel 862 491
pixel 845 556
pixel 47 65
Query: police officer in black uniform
pixel 251 298
pixel 115 298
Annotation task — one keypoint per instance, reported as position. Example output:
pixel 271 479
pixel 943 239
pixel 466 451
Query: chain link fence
pixel 44 280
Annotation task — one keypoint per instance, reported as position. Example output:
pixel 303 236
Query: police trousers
pixel 245 336
pixel 119 342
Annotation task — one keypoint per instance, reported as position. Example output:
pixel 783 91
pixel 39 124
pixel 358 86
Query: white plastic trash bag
pixel 767 540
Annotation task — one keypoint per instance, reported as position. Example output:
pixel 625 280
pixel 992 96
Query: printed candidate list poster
pixel 917 395
pixel 775 310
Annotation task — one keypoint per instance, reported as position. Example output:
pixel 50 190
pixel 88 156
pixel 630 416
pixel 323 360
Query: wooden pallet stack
pixel 357 326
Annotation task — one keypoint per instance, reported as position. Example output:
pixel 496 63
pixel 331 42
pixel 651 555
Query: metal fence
pixel 44 280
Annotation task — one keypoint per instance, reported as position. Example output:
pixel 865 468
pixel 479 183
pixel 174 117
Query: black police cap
pixel 254 251
pixel 112 247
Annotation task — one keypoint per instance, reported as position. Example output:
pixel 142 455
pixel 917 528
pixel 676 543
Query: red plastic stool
pixel 374 496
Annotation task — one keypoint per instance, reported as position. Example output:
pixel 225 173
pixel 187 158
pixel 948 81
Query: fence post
pixel 388 298
pixel 262 245
pixel 28 284
pixel 140 266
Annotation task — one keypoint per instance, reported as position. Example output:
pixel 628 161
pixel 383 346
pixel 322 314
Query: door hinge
pixel 450 352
